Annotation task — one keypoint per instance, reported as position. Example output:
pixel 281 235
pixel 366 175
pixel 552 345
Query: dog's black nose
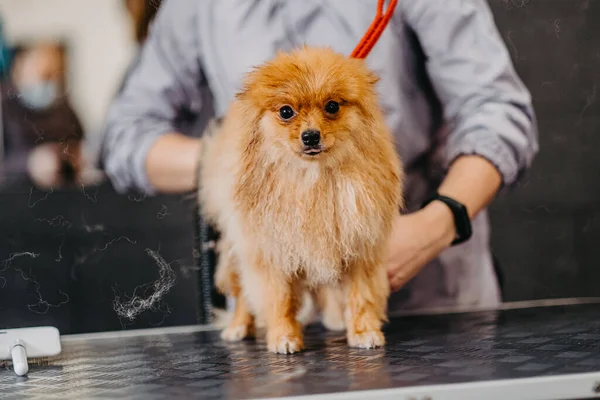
pixel 311 137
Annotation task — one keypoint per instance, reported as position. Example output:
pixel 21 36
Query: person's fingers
pixel 396 284
pixel 405 272
pixel 397 281
pixel 391 271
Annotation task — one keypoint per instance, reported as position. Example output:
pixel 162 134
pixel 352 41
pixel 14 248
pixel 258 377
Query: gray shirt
pixel 447 88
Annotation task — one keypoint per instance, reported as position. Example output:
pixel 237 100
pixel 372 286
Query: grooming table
pixel 519 352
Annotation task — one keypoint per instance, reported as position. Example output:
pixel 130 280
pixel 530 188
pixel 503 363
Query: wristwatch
pixel 461 217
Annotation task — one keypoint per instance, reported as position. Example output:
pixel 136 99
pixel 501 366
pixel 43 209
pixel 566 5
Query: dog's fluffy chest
pixel 314 223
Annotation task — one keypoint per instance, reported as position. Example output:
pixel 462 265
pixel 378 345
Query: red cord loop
pixel 370 38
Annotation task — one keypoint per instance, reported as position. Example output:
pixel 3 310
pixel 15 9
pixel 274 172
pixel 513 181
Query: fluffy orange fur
pixel 291 221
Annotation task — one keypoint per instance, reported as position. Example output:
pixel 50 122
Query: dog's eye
pixel 286 112
pixel 332 107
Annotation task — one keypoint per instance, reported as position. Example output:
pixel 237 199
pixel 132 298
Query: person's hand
pixel 416 239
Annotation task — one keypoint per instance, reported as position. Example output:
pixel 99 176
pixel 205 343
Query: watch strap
pixel 462 221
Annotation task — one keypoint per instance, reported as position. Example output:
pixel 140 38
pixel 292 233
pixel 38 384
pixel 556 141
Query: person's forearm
pixel 172 162
pixel 473 181
pixel 418 238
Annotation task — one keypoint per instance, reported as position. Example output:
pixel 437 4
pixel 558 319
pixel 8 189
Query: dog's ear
pixel 247 85
pixel 372 78
pixel 242 94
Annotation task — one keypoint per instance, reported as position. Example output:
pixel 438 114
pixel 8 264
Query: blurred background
pixel 67 253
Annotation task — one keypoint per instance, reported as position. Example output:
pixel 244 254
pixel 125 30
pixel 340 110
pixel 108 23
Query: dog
pixel 303 182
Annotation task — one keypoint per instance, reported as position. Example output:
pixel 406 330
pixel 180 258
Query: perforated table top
pixel 479 349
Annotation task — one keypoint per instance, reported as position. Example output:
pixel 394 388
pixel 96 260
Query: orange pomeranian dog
pixel 303 182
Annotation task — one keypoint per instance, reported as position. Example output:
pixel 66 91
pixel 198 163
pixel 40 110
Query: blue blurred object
pixel 5 53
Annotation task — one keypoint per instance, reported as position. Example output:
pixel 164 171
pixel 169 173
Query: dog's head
pixel 312 103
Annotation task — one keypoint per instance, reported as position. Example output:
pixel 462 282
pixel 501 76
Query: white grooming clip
pixel 19 345
pixel 19 358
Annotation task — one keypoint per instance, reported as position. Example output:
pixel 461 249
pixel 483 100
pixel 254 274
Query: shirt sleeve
pixel 163 85
pixel 487 109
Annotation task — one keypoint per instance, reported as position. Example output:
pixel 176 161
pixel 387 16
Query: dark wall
pixel 546 231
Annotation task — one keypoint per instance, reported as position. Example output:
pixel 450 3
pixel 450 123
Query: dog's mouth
pixel 312 151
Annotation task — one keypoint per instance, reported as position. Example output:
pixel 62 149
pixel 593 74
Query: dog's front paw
pixel 236 333
pixel 366 340
pixel 285 344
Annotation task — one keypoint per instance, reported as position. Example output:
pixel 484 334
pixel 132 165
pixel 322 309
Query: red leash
pixel 381 20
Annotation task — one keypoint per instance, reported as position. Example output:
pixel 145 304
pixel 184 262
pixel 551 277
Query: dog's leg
pixel 242 322
pixel 331 304
pixel 277 298
pixel 367 291
pixel 227 281
pixel 284 332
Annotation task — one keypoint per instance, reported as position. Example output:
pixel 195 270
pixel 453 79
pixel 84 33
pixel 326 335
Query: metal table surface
pixel 550 352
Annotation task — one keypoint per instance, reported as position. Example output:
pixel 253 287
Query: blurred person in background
pixel 42 133
pixel 462 118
